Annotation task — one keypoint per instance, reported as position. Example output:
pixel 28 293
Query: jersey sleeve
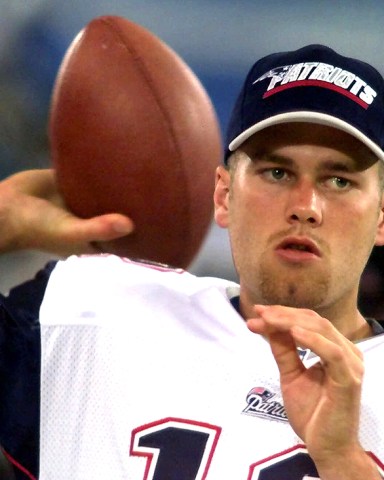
pixel 20 372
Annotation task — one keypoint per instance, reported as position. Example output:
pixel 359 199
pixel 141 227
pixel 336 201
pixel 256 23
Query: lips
pixel 299 244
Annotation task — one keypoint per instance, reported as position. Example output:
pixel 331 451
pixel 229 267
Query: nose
pixel 304 205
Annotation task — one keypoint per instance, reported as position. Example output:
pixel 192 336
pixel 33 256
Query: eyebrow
pixel 272 157
pixel 328 165
pixel 340 166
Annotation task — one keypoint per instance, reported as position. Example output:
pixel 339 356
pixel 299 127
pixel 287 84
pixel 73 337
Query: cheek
pixel 250 198
pixel 354 230
pixel 358 216
pixel 252 218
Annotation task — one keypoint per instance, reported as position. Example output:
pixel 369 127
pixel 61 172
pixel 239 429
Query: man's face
pixel 303 209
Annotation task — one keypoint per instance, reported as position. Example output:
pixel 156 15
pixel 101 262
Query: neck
pixel 349 321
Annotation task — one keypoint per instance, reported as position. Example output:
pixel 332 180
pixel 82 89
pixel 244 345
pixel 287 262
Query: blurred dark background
pixel 219 39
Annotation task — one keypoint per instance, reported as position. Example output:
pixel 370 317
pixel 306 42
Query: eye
pixel 339 183
pixel 275 174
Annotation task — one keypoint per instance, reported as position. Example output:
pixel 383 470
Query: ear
pixel 380 226
pixel 221 196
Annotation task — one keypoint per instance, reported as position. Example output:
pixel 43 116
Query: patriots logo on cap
pixel 276 73
pixel 318 74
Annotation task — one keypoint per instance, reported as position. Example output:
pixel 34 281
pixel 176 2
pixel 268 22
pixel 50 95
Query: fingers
pixel 287 328
pixel 306 326
pixel 284 350
pixel 101 228
pixel 33 216
pixel 341 359
pixel 41 184
pixel 65 234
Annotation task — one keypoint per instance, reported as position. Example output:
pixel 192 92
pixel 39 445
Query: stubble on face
pixel 295 286
pixel 299 288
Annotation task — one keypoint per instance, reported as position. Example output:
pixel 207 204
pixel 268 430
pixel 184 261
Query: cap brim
pixel 308 117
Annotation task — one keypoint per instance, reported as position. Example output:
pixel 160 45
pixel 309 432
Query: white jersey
pixel 151 374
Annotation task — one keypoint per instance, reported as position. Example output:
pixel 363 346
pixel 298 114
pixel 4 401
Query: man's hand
pixel 33 216
pixel 322 402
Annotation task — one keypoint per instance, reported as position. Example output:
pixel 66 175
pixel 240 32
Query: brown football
pixel 132 130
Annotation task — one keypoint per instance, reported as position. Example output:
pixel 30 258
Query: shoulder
pixel 109 272
pixel 107 285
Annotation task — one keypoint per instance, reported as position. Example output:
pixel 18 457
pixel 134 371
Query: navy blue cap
pixel 313 84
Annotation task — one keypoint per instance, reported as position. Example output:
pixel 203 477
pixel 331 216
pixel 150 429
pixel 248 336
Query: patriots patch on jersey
pixel 263 403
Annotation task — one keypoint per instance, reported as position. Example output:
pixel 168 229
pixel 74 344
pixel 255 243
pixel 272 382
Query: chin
pixel 294 294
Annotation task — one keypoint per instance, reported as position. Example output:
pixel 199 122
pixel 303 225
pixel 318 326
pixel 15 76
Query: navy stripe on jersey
pixel 20 372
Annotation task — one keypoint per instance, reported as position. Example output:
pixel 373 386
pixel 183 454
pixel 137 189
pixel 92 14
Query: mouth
pixel 298 248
